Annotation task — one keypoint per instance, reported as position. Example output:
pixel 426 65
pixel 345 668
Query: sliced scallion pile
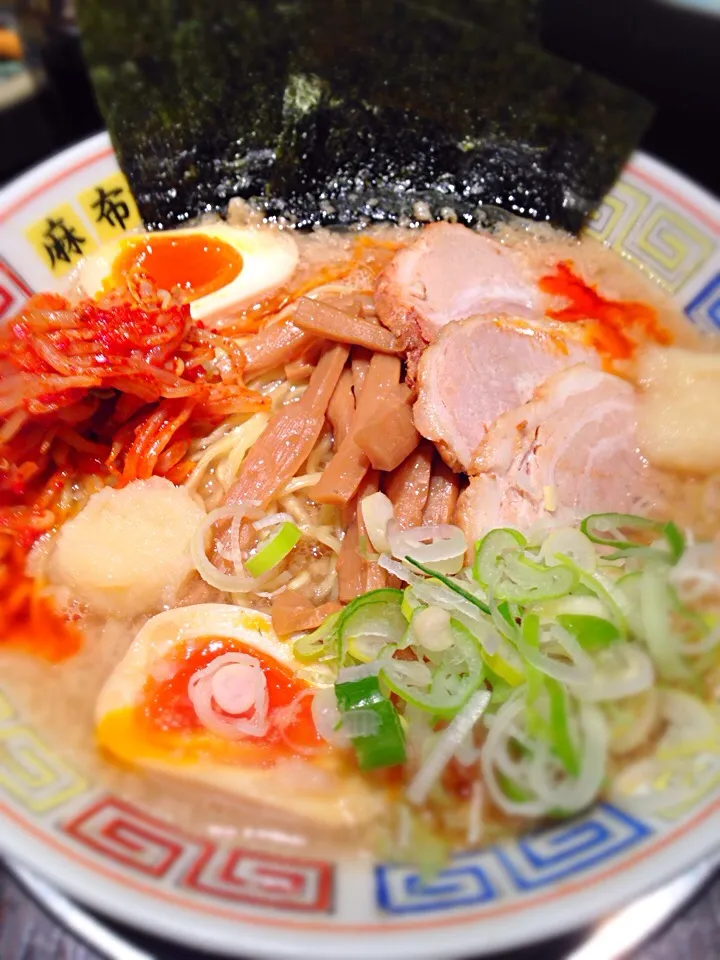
pixel 524 660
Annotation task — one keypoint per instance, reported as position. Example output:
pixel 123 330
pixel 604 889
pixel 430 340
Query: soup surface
pixel 397 538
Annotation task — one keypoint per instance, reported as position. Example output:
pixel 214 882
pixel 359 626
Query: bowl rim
pixel 92 883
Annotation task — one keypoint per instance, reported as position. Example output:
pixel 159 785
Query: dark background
pixel 669 54
pixel 666 52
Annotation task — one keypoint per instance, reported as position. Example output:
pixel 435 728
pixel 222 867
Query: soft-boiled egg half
pixel 217 268
pixel 208 693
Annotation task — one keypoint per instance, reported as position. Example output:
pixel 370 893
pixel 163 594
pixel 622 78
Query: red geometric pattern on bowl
pixel 252 877
pixel 119 831
pixel 13 290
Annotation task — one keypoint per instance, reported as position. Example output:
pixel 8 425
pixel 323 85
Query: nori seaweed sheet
pixel 337 112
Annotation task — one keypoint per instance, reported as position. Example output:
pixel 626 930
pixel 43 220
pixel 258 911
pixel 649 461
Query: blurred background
pixel 668 50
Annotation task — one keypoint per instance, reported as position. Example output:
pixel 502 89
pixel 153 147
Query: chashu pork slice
pixel 450 273
pixel 571 451
pixel 478 369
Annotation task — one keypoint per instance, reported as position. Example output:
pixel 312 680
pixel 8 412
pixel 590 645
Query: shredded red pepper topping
pixel 611 321
pixel 117 389
pixel 115 382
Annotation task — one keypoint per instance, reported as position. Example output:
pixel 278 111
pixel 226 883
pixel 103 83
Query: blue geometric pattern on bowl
pixel 546 856
pixel 403 890
pixel 704 308
pixel 539 859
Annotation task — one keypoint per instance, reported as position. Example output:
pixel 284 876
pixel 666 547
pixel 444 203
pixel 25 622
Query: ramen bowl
pixel 263 899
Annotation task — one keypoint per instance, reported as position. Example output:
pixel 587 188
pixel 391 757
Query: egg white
pixel 316 789
pixel 269 259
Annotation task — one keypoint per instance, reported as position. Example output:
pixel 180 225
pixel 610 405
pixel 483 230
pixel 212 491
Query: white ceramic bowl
pixel 121 861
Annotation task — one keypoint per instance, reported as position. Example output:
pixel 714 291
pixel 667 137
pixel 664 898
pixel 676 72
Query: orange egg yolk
pixel 194 263
pixel 167 704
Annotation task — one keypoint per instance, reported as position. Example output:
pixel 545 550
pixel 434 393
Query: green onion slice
pixel 609 529
pixel 490 553
pixel 600 587
pixel 270 553
pixel 675 539
pixel 321 644
pixel 383 745
pixel 512 791
pixel 587 618
pixel 410 603
pixel 547 711
pixel 456 673
pixel 535 723
pixel 661 639
pixel 501 689
pixel 451 584
pixel 629 586
pixel 592 633
pixel 524 581
pixel 561 740
pixel 692 627
pixel 369 623
pixel 505 665
pixel 573 666
pixel 501 565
